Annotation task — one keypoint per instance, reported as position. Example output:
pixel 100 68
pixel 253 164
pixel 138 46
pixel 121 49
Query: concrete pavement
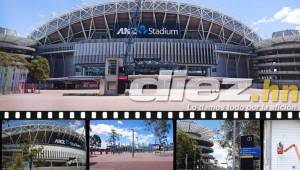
pixel 124 161
pixel 53 100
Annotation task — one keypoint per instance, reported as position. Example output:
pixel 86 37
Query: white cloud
pixel 120 122
pixel 293 17
pixel 145 139
pixel 263 20
pixel 220 154
pixel 77 126
pixel 285 15
pixel 81 131
pixel 282 13
pixel 105 129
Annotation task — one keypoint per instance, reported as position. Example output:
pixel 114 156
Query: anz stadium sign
pixel 144 31
pixel 66 142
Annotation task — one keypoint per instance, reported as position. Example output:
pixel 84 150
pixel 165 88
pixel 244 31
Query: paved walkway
pixel 55 101
pixel 124 161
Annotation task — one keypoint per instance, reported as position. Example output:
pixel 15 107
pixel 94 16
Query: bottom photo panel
pixel 44 145
pixel 218 145
pixel 150 144
pixel 131 145
pixel 282 144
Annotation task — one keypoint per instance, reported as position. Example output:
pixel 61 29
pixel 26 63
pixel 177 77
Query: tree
pixel 30 152
pixel 113 138
pixel 96 140
pixel 243 127
pixel 39 69
pixel 186 146
pixel 17 162
pixel 4 164
pixel 160 129
pixel 7 59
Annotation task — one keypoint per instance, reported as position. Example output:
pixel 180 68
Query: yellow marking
pixel 293 90
pixel 273 89
pixel 246 157
pixel 254 98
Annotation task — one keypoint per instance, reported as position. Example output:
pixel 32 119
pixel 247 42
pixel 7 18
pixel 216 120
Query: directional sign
pixel 247 141
pixel 250 152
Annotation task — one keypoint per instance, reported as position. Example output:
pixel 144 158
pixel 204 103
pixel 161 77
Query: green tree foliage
pixel 30 152
pixel 96 140
pixel 4 164
pixel 186 147
pixel 113 138
pixel 40 163
pixel 160 129
pixel 8 59
pixel 17 162
pixel 39 69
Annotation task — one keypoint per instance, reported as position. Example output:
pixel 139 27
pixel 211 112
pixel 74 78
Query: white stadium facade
pixel 60 146
pixel 169 35
pixel 154 35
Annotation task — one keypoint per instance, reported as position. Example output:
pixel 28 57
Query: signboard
pixel 247 141
pixel 65 142
pixel 250 152
pixel 143 31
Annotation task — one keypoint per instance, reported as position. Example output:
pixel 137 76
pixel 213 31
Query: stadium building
pixel 203 137
pixel 169 35
pixel 13 77
pixel 12 43
pixel 278 58
pixel 60 146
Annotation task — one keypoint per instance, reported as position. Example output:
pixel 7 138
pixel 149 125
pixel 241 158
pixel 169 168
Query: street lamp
pixel 194 158
pixel 132 143
pixel 233 145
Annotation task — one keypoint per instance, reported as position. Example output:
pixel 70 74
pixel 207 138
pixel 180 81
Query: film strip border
pixel 209 115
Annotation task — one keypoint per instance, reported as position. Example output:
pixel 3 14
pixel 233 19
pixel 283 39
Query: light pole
pixel 186 161
pixel 194 158
pixel 233 145
pixel 132 143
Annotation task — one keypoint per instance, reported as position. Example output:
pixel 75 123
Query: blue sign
pixel 142 30
pixel 250 152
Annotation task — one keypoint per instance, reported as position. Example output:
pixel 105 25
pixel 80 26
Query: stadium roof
pixel 40 128
pixel 9 38
pixel 61 26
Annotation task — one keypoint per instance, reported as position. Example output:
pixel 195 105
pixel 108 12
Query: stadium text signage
pixel 66 142
pixel 142 30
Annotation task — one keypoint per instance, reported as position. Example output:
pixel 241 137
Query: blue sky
pixel 104 127
pixel 265 16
